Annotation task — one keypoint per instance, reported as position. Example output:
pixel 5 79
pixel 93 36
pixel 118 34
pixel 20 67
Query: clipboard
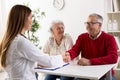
pixel 52 68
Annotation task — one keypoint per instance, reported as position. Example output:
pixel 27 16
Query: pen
pixel 65 64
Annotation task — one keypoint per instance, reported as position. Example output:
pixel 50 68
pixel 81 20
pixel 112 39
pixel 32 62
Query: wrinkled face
pixel 28 22
pixel 93 26
pixel 58 30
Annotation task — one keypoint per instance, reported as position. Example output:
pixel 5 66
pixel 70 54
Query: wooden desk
pixel 74 70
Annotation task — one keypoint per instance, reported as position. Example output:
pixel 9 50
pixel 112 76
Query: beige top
pixel 52 48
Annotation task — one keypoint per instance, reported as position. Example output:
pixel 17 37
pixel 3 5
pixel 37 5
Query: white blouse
pixel 52 48
pixel 21 57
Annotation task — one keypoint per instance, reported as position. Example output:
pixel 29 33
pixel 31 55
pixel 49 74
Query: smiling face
pixel 93 26
pixel 28 23
pixel 58 30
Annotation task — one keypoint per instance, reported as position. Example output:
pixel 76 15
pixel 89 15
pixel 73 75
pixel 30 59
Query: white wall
pixel 74 14
pixel 0 21
pixel 2 18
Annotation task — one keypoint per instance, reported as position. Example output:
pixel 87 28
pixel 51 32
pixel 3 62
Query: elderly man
pixel 96 46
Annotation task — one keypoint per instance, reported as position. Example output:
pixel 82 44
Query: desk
pixel 73 70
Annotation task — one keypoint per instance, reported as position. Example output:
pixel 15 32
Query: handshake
pixel 82 61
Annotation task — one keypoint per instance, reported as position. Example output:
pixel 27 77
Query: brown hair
pixel 16 21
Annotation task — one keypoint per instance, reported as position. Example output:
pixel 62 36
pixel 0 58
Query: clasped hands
pixel 82 61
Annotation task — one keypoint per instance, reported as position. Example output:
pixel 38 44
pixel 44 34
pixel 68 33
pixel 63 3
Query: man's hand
pixel 66 57
pixel 84 62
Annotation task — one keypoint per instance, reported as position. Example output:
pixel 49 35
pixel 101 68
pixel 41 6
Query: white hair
pixel 99 17
pixel 55 22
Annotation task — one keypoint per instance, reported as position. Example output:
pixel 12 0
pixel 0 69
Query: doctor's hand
pixel 66 57
pixel 84 62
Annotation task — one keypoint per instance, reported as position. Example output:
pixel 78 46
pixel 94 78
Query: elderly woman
pixel 57 44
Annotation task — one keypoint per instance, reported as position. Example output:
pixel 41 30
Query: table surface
pixel 74 70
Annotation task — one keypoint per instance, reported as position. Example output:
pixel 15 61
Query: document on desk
pixel 57 62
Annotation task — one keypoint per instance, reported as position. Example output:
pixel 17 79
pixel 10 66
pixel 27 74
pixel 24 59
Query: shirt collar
pixel 97 36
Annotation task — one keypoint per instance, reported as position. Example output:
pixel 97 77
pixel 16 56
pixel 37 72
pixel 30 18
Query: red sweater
pixel 100 51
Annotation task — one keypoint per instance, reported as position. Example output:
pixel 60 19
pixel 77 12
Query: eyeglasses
pixel 91 23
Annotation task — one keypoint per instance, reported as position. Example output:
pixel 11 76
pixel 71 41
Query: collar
pixel 23 35
pixel 97 35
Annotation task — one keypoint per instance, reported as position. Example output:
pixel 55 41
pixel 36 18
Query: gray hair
pixel 56 22
pixel 99 17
